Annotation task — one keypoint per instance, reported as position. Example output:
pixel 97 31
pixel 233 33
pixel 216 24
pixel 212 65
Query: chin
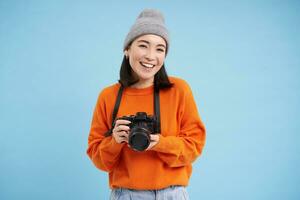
pixel 146 77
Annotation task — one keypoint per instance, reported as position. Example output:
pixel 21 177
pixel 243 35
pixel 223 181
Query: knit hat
pixel 149 21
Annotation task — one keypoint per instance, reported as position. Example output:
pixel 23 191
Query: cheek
pixel 135 57
pixel 161 60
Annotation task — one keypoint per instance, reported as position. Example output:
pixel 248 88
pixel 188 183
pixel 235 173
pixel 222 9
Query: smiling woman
pixel 149 136
pixel 146 57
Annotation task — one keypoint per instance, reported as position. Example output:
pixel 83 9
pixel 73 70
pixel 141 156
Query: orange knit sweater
pixel 169 162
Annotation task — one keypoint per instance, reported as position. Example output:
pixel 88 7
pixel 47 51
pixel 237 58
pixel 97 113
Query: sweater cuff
pixel 115 147
pixel 161 145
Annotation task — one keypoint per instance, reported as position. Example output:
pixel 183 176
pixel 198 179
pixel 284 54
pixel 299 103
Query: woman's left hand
pixel 154 140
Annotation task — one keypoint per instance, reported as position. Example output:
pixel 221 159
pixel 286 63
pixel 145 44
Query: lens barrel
pixel 139 138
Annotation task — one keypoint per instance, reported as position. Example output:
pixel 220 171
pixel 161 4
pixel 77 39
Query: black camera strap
pixel 157 109
pixel 117 105
pixel 115 111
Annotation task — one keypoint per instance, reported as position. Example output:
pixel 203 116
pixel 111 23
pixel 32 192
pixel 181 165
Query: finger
pixel 154 137
pixel 123 134
pixel 115 130
pixel 122 122
pixel 120 137
pixel 123 128
pixel 150 146
pixel 118 131
pixel 117 138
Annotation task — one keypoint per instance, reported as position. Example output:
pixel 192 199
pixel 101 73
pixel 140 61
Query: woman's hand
pixel 120 131
pixel 154 140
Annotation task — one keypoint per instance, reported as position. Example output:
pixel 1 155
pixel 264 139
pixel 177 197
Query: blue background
pixel 241 59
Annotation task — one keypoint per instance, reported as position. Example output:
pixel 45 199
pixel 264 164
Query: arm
pixel 184 148
pixel 103 151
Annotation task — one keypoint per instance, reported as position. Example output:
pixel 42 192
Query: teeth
pixel 147 65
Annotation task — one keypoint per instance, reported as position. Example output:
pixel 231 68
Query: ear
pixel 126 53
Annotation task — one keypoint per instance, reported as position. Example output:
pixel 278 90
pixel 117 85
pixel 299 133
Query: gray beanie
pixel 149 21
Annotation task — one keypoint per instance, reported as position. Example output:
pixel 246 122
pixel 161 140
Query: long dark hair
pixel 161 79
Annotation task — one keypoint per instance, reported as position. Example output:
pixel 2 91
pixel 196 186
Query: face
pixel 146 57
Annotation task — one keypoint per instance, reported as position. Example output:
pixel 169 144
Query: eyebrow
pixel 149 43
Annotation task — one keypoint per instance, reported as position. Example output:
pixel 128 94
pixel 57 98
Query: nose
pixel 150 55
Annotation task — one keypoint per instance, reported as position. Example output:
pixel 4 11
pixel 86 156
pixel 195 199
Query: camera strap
pixel 115 111
pixel 117 104
pixel 156 109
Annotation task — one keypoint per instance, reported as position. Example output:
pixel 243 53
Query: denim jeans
pixel 170 193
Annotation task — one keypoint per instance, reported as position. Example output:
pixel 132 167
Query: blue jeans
pixel 170 193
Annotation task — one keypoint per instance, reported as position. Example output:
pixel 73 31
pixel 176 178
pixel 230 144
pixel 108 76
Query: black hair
pixel 161 79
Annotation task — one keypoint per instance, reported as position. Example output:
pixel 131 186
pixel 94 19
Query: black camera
pixel 141 126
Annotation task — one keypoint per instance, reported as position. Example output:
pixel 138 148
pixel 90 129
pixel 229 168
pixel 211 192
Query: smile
pixel 147 65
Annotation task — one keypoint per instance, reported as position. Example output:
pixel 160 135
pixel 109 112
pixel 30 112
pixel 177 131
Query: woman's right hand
pixel 121 130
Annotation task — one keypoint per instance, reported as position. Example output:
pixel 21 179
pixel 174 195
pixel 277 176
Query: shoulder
pixel 179 84
pixel 110 91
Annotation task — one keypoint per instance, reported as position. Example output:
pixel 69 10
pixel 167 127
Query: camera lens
pixel 139 139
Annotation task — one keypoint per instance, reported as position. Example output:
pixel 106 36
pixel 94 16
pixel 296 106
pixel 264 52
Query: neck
pixel 142 84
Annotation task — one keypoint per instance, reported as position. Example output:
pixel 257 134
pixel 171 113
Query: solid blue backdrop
pixel 241 59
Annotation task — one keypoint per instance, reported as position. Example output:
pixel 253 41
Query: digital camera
pixel 141 126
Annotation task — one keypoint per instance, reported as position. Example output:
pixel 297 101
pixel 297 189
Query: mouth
pixel 147 65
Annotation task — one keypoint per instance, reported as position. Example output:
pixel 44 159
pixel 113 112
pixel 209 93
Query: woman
pixel 146 162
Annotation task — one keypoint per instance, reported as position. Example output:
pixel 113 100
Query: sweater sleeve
pixel 103 151
pixel 183 149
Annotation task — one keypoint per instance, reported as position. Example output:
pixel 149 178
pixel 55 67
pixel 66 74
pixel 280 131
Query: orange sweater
pixel 168 162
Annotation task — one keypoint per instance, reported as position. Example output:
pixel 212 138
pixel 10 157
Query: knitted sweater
pixel 169 162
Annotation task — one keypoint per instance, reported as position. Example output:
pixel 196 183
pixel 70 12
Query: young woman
pixel 146 130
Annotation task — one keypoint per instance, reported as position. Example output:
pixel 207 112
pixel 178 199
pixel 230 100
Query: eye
pixel 161 50
pixel 142 46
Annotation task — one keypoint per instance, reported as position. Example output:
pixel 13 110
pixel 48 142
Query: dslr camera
pixel 141 126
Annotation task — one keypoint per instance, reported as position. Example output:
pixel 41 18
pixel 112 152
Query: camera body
pixel 141 126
